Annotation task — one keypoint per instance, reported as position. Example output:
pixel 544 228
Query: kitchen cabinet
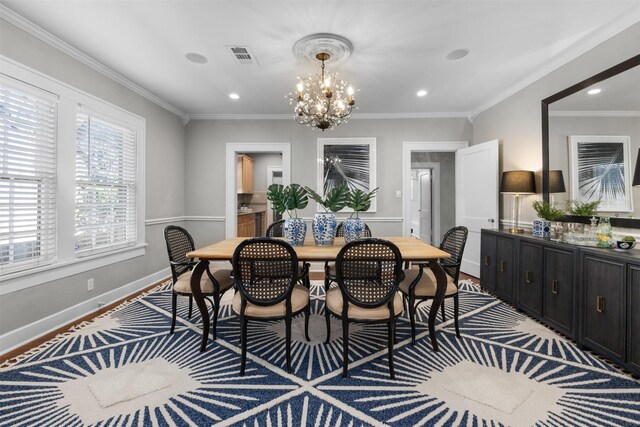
pixel 244 178
pixel 246 225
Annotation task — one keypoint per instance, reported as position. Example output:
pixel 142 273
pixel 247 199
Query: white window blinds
pixel 105 216
pixel 27 176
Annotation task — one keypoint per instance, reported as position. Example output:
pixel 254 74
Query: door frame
pixel 435 197
pixel 231 195
pixel 419 146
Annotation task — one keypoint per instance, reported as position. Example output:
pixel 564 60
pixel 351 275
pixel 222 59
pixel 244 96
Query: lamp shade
pixel 556 182
pixel 520 182
pixel 636 174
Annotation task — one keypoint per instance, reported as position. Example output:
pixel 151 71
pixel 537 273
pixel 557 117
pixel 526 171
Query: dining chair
pixel 214 285
pixel 420 284
pixel 330 273
pixel 368 273
pixel 266 273
pixel 276 229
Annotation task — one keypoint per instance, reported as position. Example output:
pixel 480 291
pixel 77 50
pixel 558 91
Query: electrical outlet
pixel 101 304
pixel 399 194
pixel 90 284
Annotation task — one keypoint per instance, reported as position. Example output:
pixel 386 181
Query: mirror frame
pixel 604 75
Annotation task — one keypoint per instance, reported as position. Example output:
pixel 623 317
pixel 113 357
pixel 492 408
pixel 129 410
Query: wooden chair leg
pixel 287 326
pixel 216 310
pixel 456 305
pixel 412 318
pixel 390 339
pixel 243 339
pixel 174 303
pixel 307 315
pixel 442 310
pixel 345 347
pixel 190 305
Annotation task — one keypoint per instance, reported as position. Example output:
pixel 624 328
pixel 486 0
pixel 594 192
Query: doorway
pixel 425 201
pixel 274 176
pixel 231 180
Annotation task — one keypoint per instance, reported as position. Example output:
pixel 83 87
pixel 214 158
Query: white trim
pixel 584 45
pixel 32 331
pixel 31 28
pixel 205 218
pixel 407 148
pixel 231 197
pixel 17 281
pixel 365 116
pixel 594 113
pixel 156 221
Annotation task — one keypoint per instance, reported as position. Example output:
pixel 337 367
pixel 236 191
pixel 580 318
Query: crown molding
pixel 31 28
pixel 594 113
pixel 586 44
pixel 363 116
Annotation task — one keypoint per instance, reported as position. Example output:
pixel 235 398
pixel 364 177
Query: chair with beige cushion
pixel 419 284
pixel 266 273
pixel 179 244
pixel 367 272
pixel 276 229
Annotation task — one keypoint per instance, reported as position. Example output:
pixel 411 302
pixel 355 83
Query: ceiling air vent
pixel 243 56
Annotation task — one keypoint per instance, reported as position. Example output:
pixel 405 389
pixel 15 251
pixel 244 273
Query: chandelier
pixel 322 100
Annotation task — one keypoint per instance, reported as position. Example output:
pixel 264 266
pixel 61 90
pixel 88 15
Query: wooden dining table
pixel 411 249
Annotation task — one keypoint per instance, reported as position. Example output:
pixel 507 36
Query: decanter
pixel 604 232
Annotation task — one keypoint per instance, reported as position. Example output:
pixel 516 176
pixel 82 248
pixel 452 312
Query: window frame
pixel 66 262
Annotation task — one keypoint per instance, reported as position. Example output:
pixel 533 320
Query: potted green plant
pixel 324 223
pixel 547 213
pixel 579 208
pixel 290 199
pixel 358 201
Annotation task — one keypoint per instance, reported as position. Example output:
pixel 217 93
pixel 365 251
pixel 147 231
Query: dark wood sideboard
pixel 591 295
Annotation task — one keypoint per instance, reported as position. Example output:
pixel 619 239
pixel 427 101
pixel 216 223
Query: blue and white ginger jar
pixel 295 230
pixel 324 228
pixel 353 229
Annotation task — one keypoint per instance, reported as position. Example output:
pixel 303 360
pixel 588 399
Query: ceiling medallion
pixel 322 100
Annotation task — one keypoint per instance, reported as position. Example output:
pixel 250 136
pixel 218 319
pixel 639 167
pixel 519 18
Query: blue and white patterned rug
pixel 124 369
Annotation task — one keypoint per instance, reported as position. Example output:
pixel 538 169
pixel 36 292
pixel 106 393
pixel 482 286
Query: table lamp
pixel 556 184
pixel 517 182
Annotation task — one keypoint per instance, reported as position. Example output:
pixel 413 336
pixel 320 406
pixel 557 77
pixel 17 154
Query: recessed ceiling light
pixel 196 57
pixel 454 55
pixel 234 96
pixel 421 92
pixel 594 91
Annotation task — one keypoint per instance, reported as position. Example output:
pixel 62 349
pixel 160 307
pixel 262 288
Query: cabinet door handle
pixel 600 304
pixel 554 287
pixel 527 277
pixel 487 260
pixel 503 266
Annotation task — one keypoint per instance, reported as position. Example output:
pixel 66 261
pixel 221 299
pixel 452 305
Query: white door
pixel 476 197
pixel 425 207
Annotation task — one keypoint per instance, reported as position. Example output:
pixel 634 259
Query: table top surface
pixel 411 249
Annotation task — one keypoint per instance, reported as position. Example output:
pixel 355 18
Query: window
pixel 71 180
pixel 27 176
pixel 105 214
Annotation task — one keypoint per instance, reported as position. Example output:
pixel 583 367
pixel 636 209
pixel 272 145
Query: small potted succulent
pixel 324 223
pixel 290 199
pixel 359 201
pixel 546 214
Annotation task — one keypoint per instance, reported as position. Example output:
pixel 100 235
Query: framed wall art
pixel 348 161
pixel 600 170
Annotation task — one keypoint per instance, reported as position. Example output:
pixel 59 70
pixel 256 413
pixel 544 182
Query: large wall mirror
pixel 591 132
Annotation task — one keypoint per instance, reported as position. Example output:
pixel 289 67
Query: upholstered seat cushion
pixel 334 304
pixel 426 287
pixel 299 300
pixel 183 285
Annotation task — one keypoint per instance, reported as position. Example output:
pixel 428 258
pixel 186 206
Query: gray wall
pixel 447 186
pixel 516 121
pixel 165 182
pixel 206 141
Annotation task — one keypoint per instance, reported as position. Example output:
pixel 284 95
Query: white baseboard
pixel 32 331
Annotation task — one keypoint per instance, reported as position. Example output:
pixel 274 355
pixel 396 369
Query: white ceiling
pixel 399 47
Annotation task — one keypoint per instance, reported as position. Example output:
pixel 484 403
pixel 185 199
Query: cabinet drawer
pixel 604 321
pixel 558 290
pixel 529 280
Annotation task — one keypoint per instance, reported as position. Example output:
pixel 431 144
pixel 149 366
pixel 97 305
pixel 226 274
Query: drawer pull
pixel 600 304
pixel 554 287
pixel 487 260
pixel 503 266
pixel 527 277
